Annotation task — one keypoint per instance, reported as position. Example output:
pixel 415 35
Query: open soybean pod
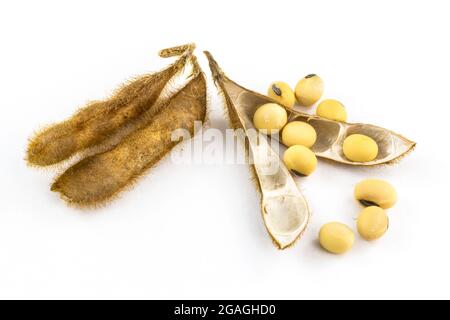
pixel 392 147
pixel 330 134
pixel 100 120
pixel 284 209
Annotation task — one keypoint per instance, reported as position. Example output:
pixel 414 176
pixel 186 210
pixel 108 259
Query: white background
pixel 195 231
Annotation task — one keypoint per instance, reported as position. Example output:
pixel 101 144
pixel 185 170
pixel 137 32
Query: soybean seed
pixel 282 94
pixel 360 148
pixel 372 223
pixel 336 237
pixel 375 192
pixel 309 90
pixel 270 118
pixel 300 160
pixel 298 133
pixel 332 109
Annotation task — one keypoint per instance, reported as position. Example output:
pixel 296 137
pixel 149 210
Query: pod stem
pixel 186 49
pixel 186 53
pixel 216 71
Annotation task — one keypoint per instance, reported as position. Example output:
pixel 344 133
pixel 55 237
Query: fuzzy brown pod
pixel 285 211
pixel 97 179
pixel 100 120
pixel 392 147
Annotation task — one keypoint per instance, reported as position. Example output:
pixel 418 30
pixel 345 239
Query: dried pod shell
pixel 375 192
pixel 284 209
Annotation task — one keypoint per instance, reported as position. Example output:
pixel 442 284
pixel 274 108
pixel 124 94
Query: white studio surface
pixel 195 231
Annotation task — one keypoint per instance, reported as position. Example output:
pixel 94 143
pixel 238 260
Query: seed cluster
pixel 358 148
pixel 372 223
pixel 300 136
pixel 305 135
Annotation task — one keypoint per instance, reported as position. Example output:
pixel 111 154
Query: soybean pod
pixel 284 209
pixel 99 178
pixel 99 120
pixel 331 134
pixel 390 147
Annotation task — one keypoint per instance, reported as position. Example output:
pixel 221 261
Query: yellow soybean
pixel 360 148
pixel 282 94
pixel 270 118
pixel 376 192
pixel 300 160
pixel 336 237
pixel 298 133
pixel 309 90
pixel 372 223
pixel 332 109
